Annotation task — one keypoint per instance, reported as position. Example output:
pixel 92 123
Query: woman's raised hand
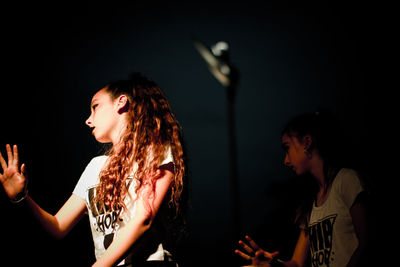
pixel 255 254
pixel 14 180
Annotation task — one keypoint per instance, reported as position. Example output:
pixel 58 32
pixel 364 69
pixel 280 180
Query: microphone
pixel 217 59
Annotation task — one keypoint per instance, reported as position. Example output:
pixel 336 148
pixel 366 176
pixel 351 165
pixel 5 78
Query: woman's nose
pixel 88 121
pixel 286 160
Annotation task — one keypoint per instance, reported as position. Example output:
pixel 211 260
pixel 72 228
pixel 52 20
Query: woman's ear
pixel 307 142
pixel 122 104
pixel 308 145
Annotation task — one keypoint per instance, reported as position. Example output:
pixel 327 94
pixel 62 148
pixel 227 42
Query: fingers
pixel 23 169
pixel 9 154
pixel 267 255
pixel 274 254
pixel 13 161
pixel 255 253
pixel 246 247
pixel 3 162
pixel 243 255
pixel 13 158
pixel 15 150
pixel 252 243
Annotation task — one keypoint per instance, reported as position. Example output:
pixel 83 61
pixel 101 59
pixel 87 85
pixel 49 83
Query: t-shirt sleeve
pixel 168 157
pixel 91 172
pixel 350 187
pixel 167 162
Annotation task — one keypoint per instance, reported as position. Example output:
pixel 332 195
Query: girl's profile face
pixel 295 157
pixel 103 117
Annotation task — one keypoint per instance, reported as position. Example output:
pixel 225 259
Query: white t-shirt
pixel 106 224
pixel 331 231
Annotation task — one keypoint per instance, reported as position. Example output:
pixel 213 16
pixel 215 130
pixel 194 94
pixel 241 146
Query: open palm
pixel 13 180
pixel 257 256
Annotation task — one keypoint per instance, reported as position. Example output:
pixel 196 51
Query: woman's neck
pixel 119 129
pixel 324 176
pixel 317 170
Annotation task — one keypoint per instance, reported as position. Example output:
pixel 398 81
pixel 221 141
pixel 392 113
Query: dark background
pixel 292 58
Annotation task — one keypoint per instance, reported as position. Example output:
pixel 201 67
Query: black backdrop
pixel 292 58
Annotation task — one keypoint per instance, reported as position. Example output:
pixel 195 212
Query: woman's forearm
pixel 48 221
pixel 60 224
pixel 126 237
pixel 138 225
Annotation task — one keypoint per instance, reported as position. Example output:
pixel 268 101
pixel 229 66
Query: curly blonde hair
pixel 151 128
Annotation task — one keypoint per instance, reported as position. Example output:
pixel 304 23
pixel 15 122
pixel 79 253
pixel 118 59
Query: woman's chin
pixel 102 140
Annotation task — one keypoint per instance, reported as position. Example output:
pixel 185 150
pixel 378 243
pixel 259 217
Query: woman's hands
pixel 14 180
pixel 258 256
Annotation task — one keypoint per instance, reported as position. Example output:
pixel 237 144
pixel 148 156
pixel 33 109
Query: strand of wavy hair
pixel 150 128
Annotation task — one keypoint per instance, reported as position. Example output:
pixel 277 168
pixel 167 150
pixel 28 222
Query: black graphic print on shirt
pixel 320 235
pixel 106 221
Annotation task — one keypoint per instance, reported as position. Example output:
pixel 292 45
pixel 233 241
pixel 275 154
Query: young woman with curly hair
pixel 132 192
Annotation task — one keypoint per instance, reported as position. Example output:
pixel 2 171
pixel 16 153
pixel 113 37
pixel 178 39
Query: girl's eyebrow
pixel 93 101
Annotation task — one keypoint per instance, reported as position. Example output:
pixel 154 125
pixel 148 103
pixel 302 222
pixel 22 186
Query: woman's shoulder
pixel 348 185
pixel 97 161
pixel 347 175
pixel 100 158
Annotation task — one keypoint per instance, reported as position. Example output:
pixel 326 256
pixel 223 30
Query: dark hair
pixel 325 131
pixel 327 139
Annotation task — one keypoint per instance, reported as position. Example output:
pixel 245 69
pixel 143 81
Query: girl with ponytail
pixel 332 218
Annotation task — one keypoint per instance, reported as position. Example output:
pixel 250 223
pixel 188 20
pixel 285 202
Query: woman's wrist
pixel 20 197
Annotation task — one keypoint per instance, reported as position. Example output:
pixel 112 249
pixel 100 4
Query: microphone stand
pixel 218 62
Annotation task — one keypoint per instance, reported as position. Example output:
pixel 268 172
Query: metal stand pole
pixel 217 60
pixel 234 184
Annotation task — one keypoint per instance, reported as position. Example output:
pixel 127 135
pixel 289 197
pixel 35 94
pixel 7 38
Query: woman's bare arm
pixel 138 225
pixel 14 182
